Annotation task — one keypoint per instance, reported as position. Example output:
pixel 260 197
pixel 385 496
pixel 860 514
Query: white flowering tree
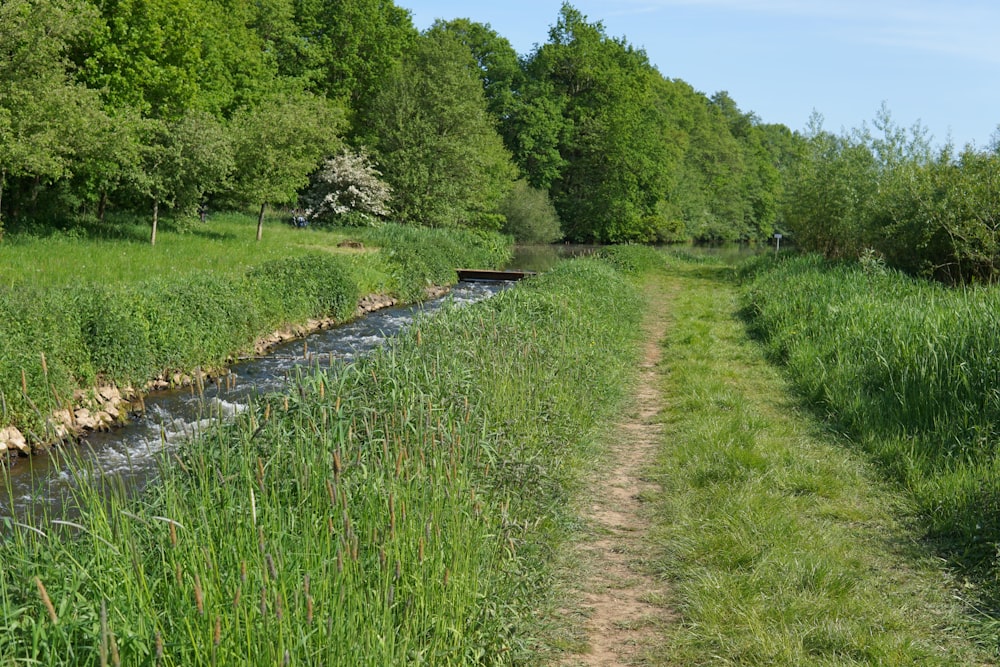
pixel 347 189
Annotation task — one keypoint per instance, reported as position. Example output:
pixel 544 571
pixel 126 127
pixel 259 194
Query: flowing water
pixel 130 455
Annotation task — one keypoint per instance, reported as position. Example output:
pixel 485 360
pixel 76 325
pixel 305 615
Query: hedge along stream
pixel 397 510
pixel 56 340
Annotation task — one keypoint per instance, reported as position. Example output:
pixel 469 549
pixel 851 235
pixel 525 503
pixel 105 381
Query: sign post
pixel 777 243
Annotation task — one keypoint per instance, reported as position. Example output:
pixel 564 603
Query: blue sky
pixel 936 63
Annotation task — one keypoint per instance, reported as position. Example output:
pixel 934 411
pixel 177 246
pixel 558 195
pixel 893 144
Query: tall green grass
pixel 394 511
pixel 910 369
pixel 81 309
pixel 783 546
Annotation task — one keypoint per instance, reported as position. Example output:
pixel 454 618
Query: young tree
pixel 181 161
pixel 437 146
pixel 277 144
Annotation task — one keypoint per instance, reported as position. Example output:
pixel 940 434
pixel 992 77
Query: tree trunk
pixel 3 180
pixel 102 206
pixel 260 222
pixel 156 212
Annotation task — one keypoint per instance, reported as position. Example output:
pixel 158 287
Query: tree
pixel 45 117
pixel 181 161
pixel 347 51
pixel 530 215
pixel 437 146
pixel 277 144
pixel 616 161
pixel 347 189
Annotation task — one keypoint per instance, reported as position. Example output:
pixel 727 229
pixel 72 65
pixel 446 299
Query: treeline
pixel 153 105
pixel 884 194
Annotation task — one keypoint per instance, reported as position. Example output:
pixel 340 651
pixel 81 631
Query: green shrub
pixel 41 350
pixel 530 215
pixel 116 333
pixel 633 259
pixel 420 257
pixel 296 289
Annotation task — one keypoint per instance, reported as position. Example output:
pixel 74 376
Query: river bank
pixel 107 406
pixel 76 357
pixel 395 510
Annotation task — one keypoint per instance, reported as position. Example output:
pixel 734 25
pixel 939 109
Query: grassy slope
pixel 782 547
pixel 77 311
pixel 400 510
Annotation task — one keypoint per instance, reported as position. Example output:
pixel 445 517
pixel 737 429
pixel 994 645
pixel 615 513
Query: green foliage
pixel 633 260
pixel 529 215
pixel 617 161
pixel 314 285
pixel 419 258
pixel 278 142
pixel 42 350
pixel 931 215
pixel 436 145
pixel 117 333
pixel 399 510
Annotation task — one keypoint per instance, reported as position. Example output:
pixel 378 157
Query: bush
pixel 421 257
pixel 530 215
pixel 116 333
pixel 296 289
pixel 633 259
pixel 42 355
pixel 347 190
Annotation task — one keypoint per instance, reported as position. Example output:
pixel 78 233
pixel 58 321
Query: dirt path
pixel 622 604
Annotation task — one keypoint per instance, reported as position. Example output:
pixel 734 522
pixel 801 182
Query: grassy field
pixel 400 510
pixel 90 305
pixel 785 546
pixel 910 370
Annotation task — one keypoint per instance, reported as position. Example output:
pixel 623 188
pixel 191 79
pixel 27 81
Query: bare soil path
pixel 624 607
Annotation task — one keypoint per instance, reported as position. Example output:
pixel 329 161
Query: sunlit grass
pixel 784 547
pixel 224 244
pixel 910 369
pixel 396 511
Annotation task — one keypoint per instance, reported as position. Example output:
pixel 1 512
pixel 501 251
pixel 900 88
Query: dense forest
pixel 347 110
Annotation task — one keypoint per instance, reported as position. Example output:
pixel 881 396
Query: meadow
pixel 783 543
pixel 909 371
pixel 94 304
pixel 399 510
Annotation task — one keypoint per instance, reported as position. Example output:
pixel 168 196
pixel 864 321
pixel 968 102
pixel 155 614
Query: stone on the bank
pixel 13 439
pixel 109 395
pixel 103 419
pixel 84 419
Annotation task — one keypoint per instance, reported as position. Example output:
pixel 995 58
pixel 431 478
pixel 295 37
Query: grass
pixel 909 369
pixel 783 546
pixel 76 309
pixel 399 510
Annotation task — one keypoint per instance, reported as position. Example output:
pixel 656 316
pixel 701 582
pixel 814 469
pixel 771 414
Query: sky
pixel 936 64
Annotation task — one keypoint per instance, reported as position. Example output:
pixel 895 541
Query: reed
pixel 393 511
pixel 910 369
